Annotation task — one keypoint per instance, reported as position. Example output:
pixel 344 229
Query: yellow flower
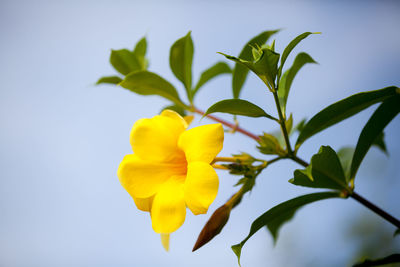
pixel 170 168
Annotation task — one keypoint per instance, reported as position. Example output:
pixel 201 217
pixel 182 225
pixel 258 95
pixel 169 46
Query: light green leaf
pixel 180 61
pixel 210 73
pixel 240 72
pixel 149 83
pixel 345 155
pixel 300 126
pixel 265 68
pixel 140 52
pixel 288 77
pixel 109 79
pixel 289 49
pixel 238 107
pixel 124 61
pixel 343 109
pixel 375 125
pixel 280 214
pixel 270 145
pixel 324 171
pixel 289 124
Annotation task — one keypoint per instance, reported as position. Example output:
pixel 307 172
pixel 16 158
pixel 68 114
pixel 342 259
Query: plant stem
pixel 360 199
pixel 300 161
pixel 282 123
pixel 228 124
pixel 376 209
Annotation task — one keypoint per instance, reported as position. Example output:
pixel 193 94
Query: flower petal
pixel 169 210
pixel 165 241
pixel 188 119
pixel 142 178
pixel 156 139
pixel 144 204
pixel 201 187
pixel 175 116
pixel 202 143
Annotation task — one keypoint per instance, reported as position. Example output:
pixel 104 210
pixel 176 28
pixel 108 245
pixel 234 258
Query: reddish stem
pixel 230 125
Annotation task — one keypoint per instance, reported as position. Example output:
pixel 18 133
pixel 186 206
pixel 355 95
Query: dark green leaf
pixel 343 109
pixel 324 171
pixel 180 61
pixel 178 109
pixel 288 77
pixel 270 145
pixel 240 72
pixel 140 52
pixel 345 155
pixel 379 262
pixel 289 49
pixel 124 61
pixel 109 79
pixel 375 125
pixel 210 73
pixel 380 142
pixel 278 215
pixel 397 232
pixel 148 83
pixel 237 107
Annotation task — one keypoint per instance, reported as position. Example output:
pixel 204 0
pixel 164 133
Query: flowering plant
pixel 173 168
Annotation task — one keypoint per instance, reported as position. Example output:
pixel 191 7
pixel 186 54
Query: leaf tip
pixel 237 249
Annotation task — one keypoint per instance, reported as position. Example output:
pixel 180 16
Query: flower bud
pixel 213 226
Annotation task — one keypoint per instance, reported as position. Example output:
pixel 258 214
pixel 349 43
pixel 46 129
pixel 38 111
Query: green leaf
pixel 341 110
pixel 109 79
pixel 300 126
pixel 270 145
pixel 149 83
pixel 124 61
pixel 180 61
pixel 178 109
pixel 290 47
pixel 240 72
pixel 379 262
pixel 210 73
pixel 375 125
pixel 380 143
pixel 238 107
pixel 345 155
pixel 289 124
pixel 265 68
pixel 288 77
pixel 278 215
pixel 397 232
pixel 140 52
pixel 324 171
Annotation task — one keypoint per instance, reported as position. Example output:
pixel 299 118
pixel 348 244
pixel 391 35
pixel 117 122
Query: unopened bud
pixel 213 226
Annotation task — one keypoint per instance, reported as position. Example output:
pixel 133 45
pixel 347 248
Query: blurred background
pixel 62 138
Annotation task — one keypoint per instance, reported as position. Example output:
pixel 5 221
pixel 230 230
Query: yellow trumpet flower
pixel 170 168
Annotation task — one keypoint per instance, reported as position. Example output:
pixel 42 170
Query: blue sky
pixel 62 138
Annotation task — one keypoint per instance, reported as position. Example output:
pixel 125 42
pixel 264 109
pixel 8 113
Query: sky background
pixel 62 138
